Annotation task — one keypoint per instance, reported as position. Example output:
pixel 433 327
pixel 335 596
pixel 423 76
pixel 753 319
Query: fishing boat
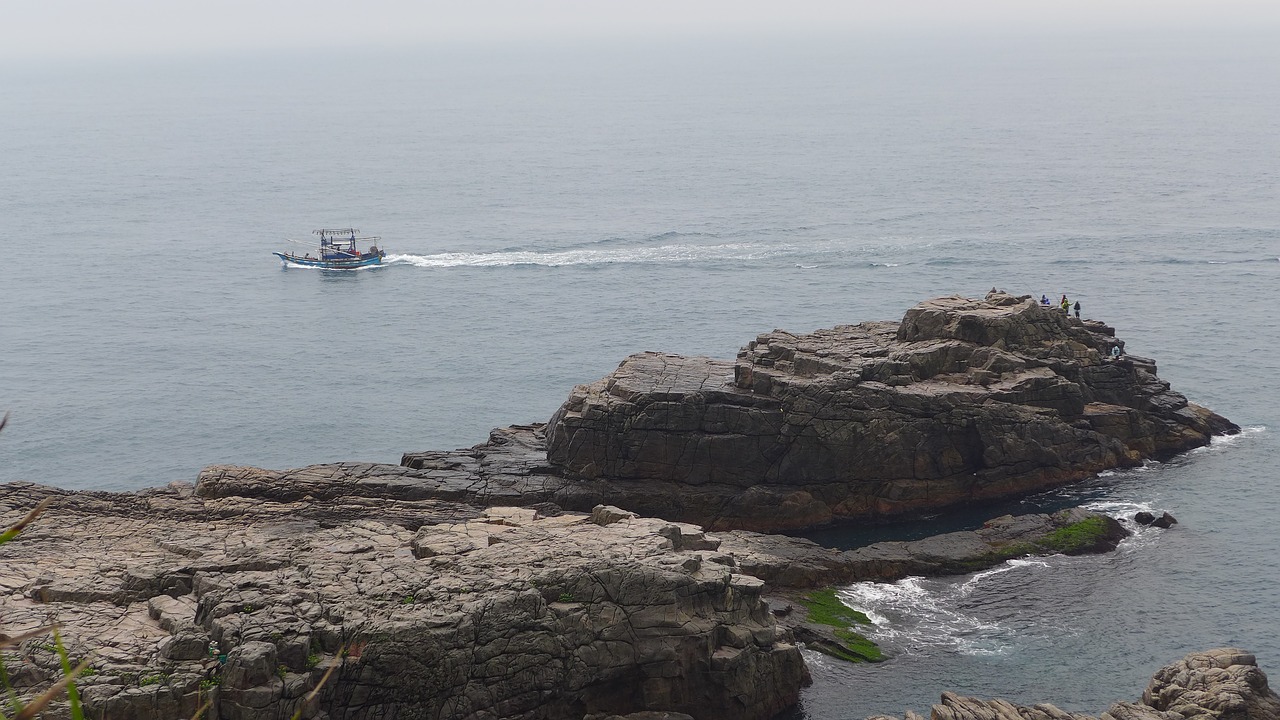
pixel 337 251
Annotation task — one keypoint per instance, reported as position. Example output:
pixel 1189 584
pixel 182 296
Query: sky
pixel 61 29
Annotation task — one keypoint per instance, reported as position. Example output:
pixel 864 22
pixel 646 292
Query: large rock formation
pixel 425 608
pixel 1220 684
pixel 963 401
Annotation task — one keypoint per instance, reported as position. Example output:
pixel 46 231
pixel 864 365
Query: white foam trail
pixel 1227 440
pixel 968 585
pixel 657 254
pixel 1123 511
pixel 1220 443
pixel 912 615
pixel 1118 509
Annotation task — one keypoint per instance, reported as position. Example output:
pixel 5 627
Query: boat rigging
pixel 337 251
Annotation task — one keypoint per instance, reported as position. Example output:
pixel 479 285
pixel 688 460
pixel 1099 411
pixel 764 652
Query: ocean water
pixel 549 210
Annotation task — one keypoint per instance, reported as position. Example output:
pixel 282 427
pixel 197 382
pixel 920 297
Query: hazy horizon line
pixel 79 30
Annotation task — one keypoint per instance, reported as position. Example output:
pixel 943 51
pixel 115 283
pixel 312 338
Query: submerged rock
pixel 963 401
pixel 1165 521
pixel 1224 683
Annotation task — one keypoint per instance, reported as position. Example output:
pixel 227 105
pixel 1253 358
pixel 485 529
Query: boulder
pixel 1223 683
pixel 963 401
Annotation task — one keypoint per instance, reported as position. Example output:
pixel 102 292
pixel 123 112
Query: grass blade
pixel 12 532
pixel 73 695
pixel 35 706
pixel 324 679
pixel 7 641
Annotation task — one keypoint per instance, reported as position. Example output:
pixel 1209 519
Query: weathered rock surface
pixel 511 611
pixel 444 610
pixel 1220 684
pixel 963 401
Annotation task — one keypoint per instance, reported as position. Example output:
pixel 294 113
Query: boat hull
pixel 352 264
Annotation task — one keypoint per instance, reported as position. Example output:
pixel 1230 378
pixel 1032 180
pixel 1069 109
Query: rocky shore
pixel 552 572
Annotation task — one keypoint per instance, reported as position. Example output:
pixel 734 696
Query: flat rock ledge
pixel 1219 684
pixel 422 608
pixel 457 610
pixel 963 401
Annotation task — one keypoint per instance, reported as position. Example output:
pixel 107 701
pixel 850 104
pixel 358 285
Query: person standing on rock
pixel 1066 305
pixel 1077 307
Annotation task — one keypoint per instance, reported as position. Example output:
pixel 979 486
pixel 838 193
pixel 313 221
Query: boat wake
pixel 680 253
pixel 671 248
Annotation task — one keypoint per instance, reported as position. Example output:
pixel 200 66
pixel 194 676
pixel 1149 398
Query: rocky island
pixel 964 401
pixel 608 562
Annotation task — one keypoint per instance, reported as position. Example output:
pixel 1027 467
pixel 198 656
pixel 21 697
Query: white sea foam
pixel 600 256
pixel 915 613
pixel 1123 511
pixel 978 578
pixel 1245 433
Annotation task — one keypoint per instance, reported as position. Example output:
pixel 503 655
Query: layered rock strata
pixel 963 401
pixel 1220 684
pixel 423 608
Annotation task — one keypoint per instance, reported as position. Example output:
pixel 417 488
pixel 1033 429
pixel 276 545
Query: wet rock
pixel 1164 521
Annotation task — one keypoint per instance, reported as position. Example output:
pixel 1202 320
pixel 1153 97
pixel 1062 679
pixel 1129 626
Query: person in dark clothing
pixel 1077 307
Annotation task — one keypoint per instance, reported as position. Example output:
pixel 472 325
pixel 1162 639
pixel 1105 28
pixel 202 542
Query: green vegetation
pixel 312 661
pixel 827 609
pixel 211 682
pixel 153 679
pixel 1076 536
pixel 565 598
pixel 856 648
pixel 408 600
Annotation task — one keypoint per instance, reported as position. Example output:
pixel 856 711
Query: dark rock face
pixel 963 401
pixel 1222 684
pixel 1165 521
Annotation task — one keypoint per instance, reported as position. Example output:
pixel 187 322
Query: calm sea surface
pixel 548 211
